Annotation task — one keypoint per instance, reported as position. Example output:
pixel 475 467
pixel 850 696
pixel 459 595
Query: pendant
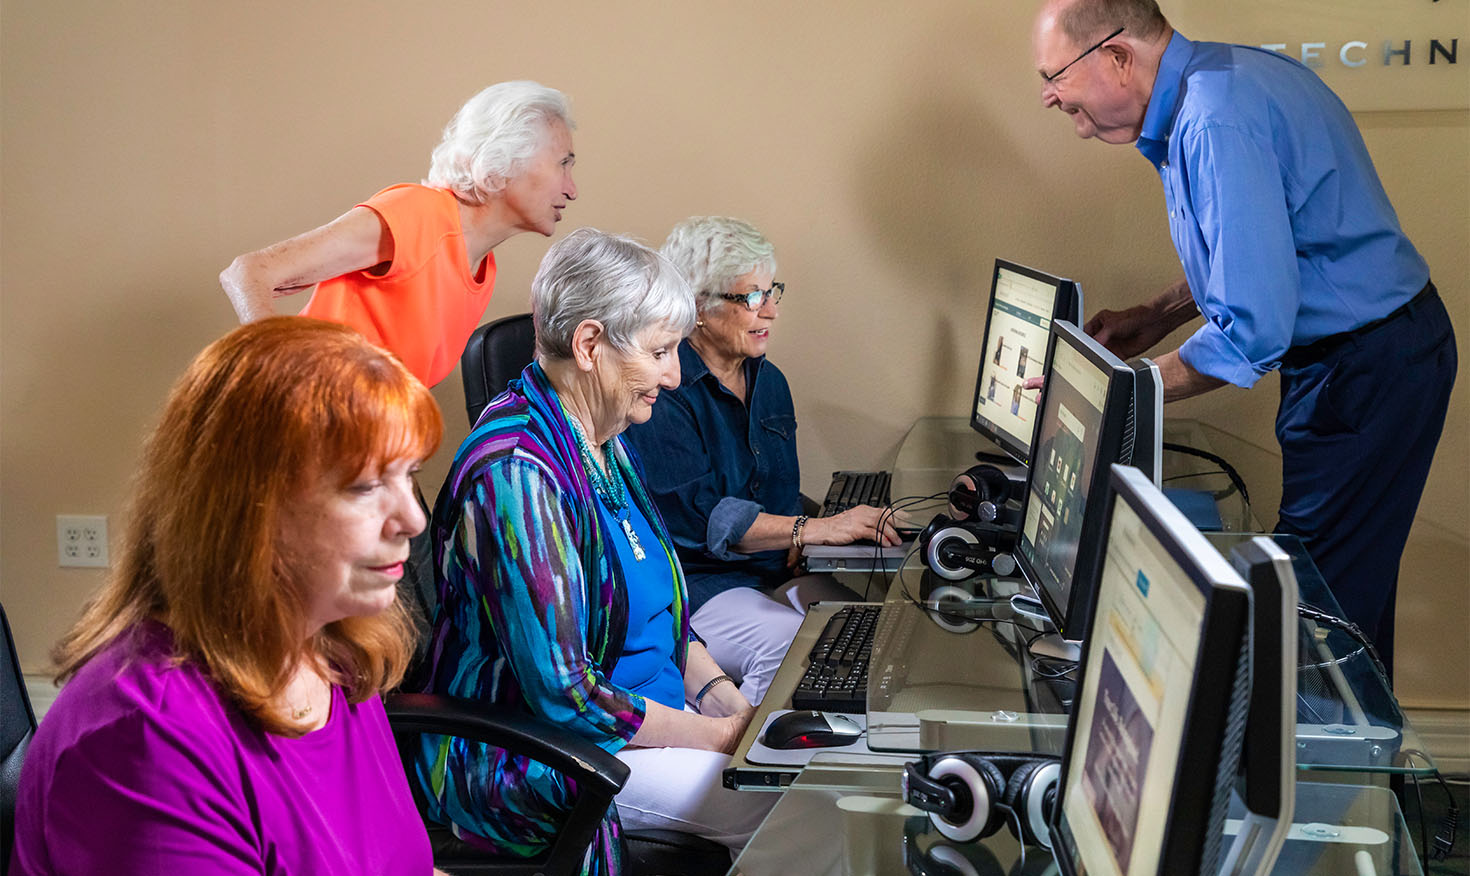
pixel 638 553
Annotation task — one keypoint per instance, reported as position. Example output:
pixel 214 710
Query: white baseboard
pixel 1446 736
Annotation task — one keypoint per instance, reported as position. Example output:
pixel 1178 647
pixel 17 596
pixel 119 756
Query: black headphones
pixel 979 494
pixel 970 794
pixel 955 550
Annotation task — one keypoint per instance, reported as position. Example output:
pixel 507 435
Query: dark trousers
pixel 1358 425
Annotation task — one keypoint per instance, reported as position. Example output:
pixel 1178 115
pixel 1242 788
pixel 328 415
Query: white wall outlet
pixel 81 540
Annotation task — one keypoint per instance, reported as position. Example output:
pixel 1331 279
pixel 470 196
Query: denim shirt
pixel 712 462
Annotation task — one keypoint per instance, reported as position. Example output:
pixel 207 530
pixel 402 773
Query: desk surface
pixel 838 821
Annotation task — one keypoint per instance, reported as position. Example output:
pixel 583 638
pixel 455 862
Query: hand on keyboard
pixel 855 524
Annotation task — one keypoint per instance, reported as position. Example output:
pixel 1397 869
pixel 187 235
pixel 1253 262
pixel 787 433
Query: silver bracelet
pixel 708 686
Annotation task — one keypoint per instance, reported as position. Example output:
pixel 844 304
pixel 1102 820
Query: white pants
pixel 680 789
pixel 747 631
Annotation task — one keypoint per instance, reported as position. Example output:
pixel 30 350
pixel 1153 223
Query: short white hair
pixel 712 252
pixel 616 280
pixel 492 137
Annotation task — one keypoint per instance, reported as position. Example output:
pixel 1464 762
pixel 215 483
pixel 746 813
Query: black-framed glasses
pixel 755 299
pixel 1052 79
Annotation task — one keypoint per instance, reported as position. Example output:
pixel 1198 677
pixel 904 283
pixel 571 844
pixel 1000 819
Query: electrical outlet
pixel 81 540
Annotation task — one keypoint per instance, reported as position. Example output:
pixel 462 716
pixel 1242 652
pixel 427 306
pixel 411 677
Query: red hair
pixel 259 416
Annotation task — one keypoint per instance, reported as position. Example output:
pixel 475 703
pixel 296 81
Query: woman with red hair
pixel 222 711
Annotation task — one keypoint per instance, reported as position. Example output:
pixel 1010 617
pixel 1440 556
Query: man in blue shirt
pixel 1293 255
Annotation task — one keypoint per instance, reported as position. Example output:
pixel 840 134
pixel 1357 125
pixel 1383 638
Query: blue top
pixel 647 664
pixel 713 462
pixel 1283 227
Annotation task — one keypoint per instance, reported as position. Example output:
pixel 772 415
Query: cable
pixel 1449 826
pixel 888 513
pixel 1235 479
pixel 1317 615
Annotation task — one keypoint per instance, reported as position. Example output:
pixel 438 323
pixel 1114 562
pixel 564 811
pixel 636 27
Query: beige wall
pixel 891 151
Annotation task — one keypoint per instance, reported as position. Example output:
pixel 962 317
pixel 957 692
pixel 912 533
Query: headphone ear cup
pixel 979 493
pixel 992 483
pixel 1026 797
pixel 984 784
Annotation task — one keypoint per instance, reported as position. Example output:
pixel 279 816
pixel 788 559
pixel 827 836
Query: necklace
pixel 609 486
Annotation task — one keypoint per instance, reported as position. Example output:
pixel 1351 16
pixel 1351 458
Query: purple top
pixel 140 766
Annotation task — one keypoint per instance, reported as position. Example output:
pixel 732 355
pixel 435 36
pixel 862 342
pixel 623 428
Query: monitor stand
pixel 1055 647
pixel 1015 472
pixel 1050 644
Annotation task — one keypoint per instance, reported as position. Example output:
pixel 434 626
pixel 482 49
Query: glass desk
pixel 961 677
pixel 842 821
pixel 935 449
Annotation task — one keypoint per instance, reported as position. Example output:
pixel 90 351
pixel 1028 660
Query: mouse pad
pixel 854 752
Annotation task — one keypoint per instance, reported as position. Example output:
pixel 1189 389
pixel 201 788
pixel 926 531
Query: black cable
pixel 1449 826
pixel 902 504
pixel 1317 615
pixel 1235 479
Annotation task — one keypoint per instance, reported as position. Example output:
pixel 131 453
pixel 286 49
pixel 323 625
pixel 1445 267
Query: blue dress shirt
pixel 1280 221
pixel 712 462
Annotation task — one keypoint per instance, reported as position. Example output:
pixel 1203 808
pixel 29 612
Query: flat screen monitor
pixel 1023 304
pixel 1268 760
pixel 1154 738
pixel 1085 424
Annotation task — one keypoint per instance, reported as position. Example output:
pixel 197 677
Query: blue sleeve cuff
pixel 728 523
pixel 1211 352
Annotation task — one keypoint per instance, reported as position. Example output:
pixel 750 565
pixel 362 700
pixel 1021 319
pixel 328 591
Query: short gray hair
pixel 712 252
pixel 492 137
pixel 616 280
pixel 1084 21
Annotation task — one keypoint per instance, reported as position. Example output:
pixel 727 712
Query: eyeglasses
pixel 755 299
pixel 1052 79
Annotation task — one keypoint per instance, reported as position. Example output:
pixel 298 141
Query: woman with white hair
pixel 411 267
pixel 722 462
pixel 560 594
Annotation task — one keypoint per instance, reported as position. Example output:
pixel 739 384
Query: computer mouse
pixel 811 730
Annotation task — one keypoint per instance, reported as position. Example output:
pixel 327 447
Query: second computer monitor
pixel 1023 304
pixel 1156 731
pixel 1086 422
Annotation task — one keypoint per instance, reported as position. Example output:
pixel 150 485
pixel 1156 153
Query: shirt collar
pixel 1158 120
pixel 692 368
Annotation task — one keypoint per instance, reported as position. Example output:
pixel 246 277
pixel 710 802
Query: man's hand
pixel 1127 333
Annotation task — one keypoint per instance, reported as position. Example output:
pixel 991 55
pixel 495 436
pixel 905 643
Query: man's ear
pixel 586 343
pixel 1121 60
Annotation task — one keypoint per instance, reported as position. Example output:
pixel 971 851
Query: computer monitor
pixel 1154 737
pixel 1087 421
pixel 1269 757
pixel 1023 304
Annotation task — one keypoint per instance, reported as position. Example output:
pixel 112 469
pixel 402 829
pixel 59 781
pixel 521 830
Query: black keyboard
pixel 852 488
pixel 837 678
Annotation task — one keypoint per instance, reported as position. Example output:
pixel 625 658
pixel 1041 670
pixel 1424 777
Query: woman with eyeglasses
pixel 721 462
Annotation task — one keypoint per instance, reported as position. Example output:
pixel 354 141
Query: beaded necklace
pixel 609 486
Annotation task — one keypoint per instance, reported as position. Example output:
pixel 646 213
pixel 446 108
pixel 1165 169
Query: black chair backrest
pixel 17 725
pixel 496 354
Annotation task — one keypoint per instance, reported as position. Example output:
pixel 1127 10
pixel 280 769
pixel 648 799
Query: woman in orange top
pixel 411 268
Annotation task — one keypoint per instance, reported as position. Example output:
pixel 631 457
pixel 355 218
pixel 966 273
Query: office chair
pixel 598 775
pixel 496 354
pixel 17 726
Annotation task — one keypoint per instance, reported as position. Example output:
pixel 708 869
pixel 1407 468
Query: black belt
pixel 1316 351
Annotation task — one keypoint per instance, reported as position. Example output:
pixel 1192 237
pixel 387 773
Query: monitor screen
pixel 1149 743
pixel 1023 303
pixel 1085 420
